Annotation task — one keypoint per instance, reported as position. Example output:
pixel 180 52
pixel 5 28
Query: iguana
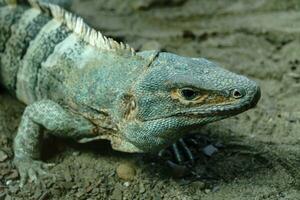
pixel 79 84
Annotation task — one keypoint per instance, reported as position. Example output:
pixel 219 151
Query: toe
pixel 24 178
pixel 32 175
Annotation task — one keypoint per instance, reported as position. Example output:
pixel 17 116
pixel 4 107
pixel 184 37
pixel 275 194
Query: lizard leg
pixel 44 114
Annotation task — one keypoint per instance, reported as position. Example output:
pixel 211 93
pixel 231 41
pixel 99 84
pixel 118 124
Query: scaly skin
pixel 78 88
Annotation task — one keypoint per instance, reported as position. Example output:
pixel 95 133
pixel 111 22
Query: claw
pixel 177 153
pixel 24 177
pixel 32 176
pixel 32 169
pixel 187 151
pixel 181 151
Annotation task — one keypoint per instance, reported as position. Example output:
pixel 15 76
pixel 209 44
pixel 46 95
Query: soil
pixel 256 154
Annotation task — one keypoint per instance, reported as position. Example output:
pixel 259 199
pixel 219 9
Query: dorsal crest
pixel 78 26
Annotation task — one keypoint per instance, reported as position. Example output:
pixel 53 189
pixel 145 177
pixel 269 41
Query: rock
pixel 126 171
pixel 210 150
pixel 197 185
pixel 67 175
pixel 126 184
pixel 117 194
pixel 207 191
pixel 142 188
pixel 3 156
pixel 9 182
pixel 76 153
pixel 216 189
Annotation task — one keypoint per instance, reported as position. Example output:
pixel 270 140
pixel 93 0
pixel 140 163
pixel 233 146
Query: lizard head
pixel 176 94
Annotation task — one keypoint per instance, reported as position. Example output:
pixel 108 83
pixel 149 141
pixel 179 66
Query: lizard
pixel 79 84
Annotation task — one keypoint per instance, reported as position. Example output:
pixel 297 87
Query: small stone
pixel 126 184
pixel 76 153
pixel 207 191
pixel 95 191
pixel 67 176
pixel 198 185
pixel 89 189
pixel 210 150
pixel 142 188
pixel 117 194
pixel 126 171
pixel 216 189
pixel 3 156
pixel 68 185
pixel 9 182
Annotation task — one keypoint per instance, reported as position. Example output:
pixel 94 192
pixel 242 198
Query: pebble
pixel 207 191
pixel 210 150
pixel 76 153
pixel 3 156
pixel 126 171
pixel 117 194
pixel 198 185
pixel 9 182
pixel 67 175
pixel 142 188
pixel 216 189
pixel 126 184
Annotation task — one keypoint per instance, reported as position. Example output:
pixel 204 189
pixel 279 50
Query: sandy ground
pixel 259 155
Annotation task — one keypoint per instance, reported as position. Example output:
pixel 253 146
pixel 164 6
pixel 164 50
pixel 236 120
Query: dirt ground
pixel 258 153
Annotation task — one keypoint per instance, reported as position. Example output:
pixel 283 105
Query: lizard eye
pixel 188 93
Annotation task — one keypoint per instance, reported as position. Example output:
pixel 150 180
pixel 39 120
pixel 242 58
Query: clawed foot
pixel 181 152
pixel 187 150
pixel 32 170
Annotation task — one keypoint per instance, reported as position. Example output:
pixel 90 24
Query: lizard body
pixel 80 84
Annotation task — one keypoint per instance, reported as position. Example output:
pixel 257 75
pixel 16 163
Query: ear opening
pixel 130 106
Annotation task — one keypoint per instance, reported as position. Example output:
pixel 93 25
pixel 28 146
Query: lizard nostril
pixel 237 93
